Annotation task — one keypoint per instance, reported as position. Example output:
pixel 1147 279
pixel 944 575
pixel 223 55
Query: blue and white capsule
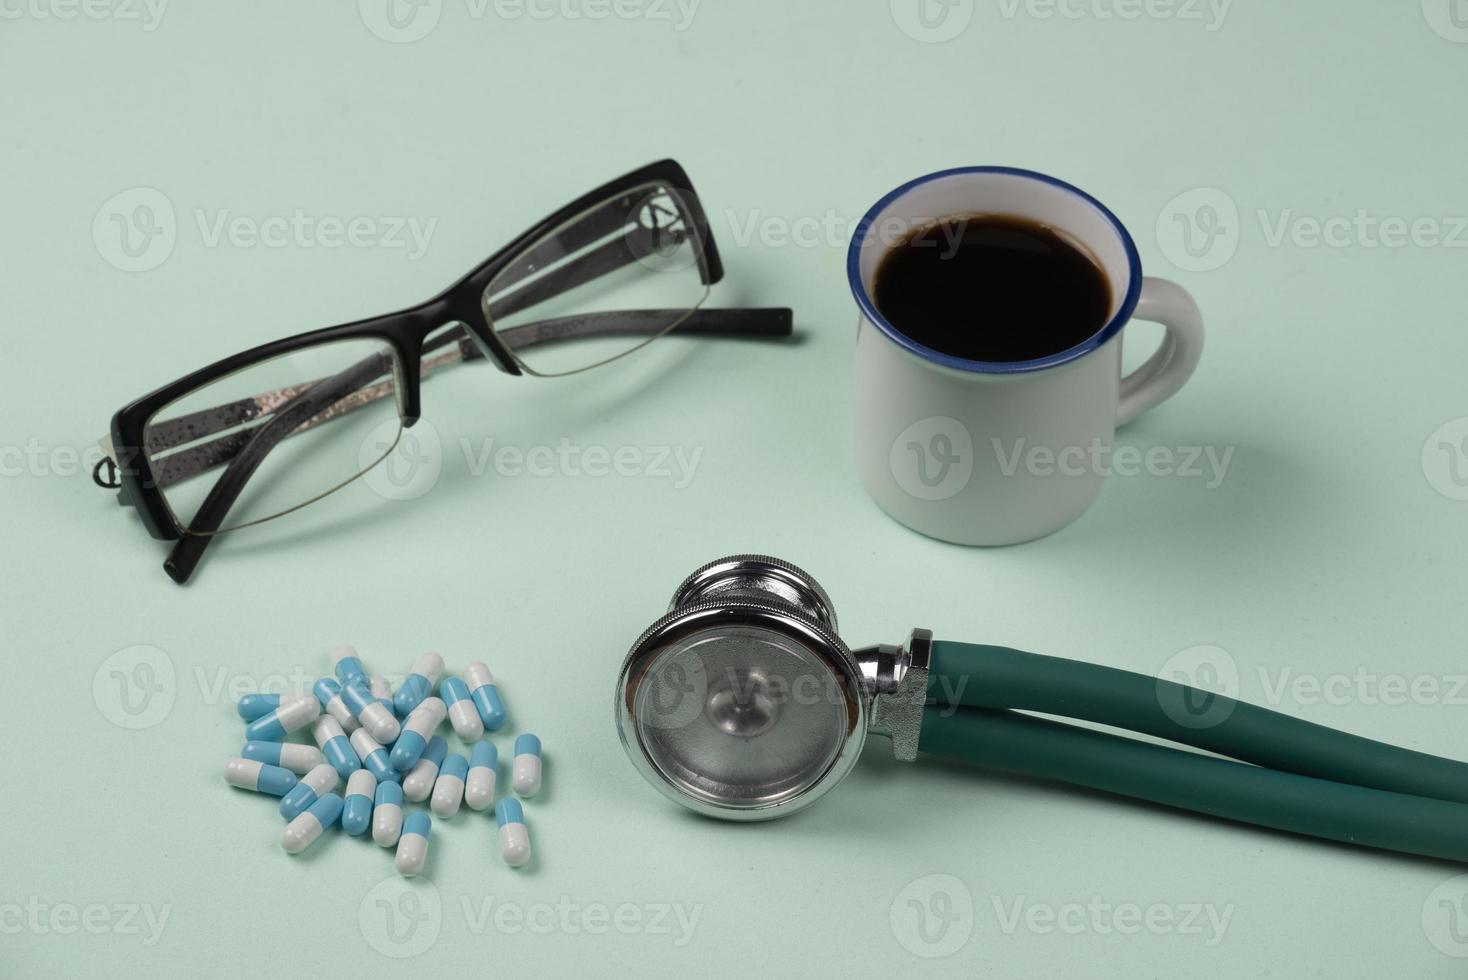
pixel 376 719
pixel 421 680
pixel 514 837
pixel 357 808
pixel 479 784
pixel 329 693
pixel 373 756
pixel 347 665
pixel 486 696
pixel 448 788
pixel 387 814
pixel 335 746
pixel 306 827
pixel 413 844
pixel 296 711
pixel 417 730
pixel 253 706
pixel 308 789
pixel 418 783
pixel 525 770
pixel 299 759
pixel 259 777
pixel 463 714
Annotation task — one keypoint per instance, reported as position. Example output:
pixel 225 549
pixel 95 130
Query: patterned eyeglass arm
pixel 175 467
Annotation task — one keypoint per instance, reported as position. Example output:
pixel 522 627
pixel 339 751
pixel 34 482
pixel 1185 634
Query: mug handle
pixel 1165 302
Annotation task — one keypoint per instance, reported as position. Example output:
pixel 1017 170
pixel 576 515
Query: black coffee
pixel 992 288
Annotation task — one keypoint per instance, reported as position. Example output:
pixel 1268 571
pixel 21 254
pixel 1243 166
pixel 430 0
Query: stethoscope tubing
pixel 1290 775
pixel 979 676
pixel 1013 742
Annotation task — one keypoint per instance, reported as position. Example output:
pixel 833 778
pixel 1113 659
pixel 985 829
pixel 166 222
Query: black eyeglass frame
pixel 405 332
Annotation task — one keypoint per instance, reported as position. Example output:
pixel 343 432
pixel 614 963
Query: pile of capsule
pixel 385 746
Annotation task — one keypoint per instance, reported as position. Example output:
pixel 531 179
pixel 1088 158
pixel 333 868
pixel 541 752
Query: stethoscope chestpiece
pixel 742 702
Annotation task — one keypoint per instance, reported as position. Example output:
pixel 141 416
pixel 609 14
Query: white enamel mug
pixel 994 453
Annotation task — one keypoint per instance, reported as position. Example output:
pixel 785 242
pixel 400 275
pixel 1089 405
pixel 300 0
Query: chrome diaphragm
pixel 743 703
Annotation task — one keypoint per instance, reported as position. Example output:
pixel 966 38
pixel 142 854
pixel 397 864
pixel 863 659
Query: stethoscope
pixel 743 703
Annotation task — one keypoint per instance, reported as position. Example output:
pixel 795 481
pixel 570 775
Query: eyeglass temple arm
pixel 185 556
pixel 177 467
pixel 746 322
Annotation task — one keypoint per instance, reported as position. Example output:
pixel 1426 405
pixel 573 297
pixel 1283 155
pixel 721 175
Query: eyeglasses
pixel 264 433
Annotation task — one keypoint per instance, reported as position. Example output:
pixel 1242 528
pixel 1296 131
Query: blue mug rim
pixel 1091 343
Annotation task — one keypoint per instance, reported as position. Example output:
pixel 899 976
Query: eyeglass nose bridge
pixel 472 313
pixel 412 334
pixel 481 332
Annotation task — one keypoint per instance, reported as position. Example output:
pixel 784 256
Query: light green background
pixel 1333 546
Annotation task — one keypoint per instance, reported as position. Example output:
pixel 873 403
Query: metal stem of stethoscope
pixel 743 703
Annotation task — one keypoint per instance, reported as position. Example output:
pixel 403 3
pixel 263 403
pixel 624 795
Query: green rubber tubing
pixel 978 676
pixel 1012 742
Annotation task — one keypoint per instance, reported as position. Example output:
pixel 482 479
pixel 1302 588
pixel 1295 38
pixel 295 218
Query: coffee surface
pixel 992 288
